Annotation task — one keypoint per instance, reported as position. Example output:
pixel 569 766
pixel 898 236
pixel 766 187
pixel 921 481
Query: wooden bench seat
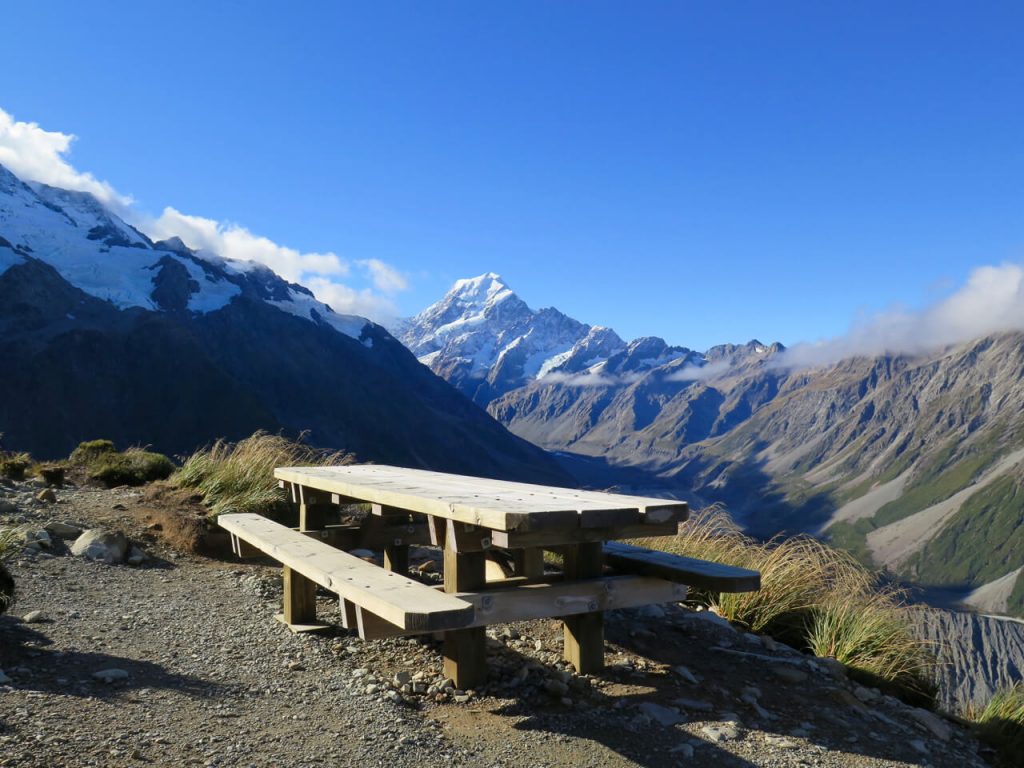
pixel 698 574
pixel 389 595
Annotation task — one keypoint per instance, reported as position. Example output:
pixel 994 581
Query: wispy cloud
pixel 363 286
pixel 991 301
pixel 691 372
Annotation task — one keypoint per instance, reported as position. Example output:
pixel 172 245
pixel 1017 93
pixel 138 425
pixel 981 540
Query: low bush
pixel 86 453
pixel 815 598
pixel 1001 724
pixel 14 466
pixel 132 467
pixel 239 477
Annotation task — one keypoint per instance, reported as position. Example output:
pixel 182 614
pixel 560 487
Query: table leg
pixel 465 650
pixel 528 562
pixel 396 558
pixel 584 633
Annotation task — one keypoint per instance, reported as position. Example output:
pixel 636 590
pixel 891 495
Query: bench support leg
pixel 299 601
pixel 584 633
pixel 465 650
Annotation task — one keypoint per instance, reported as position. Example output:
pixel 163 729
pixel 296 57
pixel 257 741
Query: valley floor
pixel 208 678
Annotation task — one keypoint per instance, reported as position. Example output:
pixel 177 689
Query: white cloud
pixel 587 379
pixel 991 301
pixel 233 241
pixel 691 372
pixel 35 154
pixel 385 278
pixel 32 153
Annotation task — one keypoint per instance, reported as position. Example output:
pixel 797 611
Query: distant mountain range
pixel 911 462
pixel 105 333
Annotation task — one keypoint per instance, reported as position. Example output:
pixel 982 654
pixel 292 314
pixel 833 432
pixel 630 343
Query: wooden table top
pixel 495 504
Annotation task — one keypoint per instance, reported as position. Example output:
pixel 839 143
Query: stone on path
pixel 110 675
pixel 106 546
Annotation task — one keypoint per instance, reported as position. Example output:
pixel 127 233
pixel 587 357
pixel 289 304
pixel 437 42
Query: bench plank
pixel 699 574
pixel 395 598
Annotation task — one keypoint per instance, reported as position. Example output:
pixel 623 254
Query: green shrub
pixel 132 467
pixel 14 466
pixel 86 453
pixel 1001 724
pixel 239 477
pixel 815 598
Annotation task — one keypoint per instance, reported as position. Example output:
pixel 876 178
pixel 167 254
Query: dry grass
pixel 239 477
pixel 11 540
pixel 813 597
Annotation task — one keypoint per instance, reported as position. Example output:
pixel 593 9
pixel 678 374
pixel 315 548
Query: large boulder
pixel 106 546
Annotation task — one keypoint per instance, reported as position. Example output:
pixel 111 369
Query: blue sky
pixel 705 172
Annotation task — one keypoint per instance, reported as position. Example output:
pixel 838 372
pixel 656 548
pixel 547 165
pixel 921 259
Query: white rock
pixel 723 732
pixel 32 617
pixel 661 715
pixel 106 546
pixel 932 722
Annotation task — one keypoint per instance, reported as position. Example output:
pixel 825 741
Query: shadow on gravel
pixel 26 658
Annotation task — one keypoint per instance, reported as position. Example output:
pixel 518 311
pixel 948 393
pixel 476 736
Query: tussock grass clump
pixel 132 467
pixel 815 598
pixel 14 466
pixel 239 477
pixel 103 463
pixel 1001 724
pixel 89 451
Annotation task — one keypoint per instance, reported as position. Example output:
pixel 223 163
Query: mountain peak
pixel 482 289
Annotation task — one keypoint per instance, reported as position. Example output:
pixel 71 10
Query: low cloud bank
pixel 991 301
pixel 35 154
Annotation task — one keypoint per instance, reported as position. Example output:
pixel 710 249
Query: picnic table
pixel 480 524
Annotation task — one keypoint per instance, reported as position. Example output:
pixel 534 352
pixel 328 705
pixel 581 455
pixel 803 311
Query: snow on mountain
pixel 484 339
pixel 97 252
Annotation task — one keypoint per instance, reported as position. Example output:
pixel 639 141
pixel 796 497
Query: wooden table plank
pixel 496 504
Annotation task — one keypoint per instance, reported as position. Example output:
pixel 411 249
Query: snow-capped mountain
pixel 100 254
pixel 486 341
pixel 105 333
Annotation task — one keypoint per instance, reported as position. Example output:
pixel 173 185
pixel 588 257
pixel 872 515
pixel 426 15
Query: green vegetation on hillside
pixel 239 477
pixel 981 542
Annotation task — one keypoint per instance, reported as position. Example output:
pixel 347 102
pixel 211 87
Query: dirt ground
pixel 179 661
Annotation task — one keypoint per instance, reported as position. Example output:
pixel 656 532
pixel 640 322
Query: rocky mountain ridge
pixel 105 333
pixel 913 462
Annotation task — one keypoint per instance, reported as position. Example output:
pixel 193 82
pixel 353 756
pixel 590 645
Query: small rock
pixel 651 612
pixel 789 674
pixel 63 530
pixel 105 546
pixel 110 675
pixel 556 688
pixel 402 678
pixel 47 496
pixel 686 674
pixel 32 617
pixel 932 722
pixel 661 715
pixel 296 666
pixel 136 556
pixel 719 733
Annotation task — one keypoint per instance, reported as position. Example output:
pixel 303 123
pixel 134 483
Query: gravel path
pixel 199 673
